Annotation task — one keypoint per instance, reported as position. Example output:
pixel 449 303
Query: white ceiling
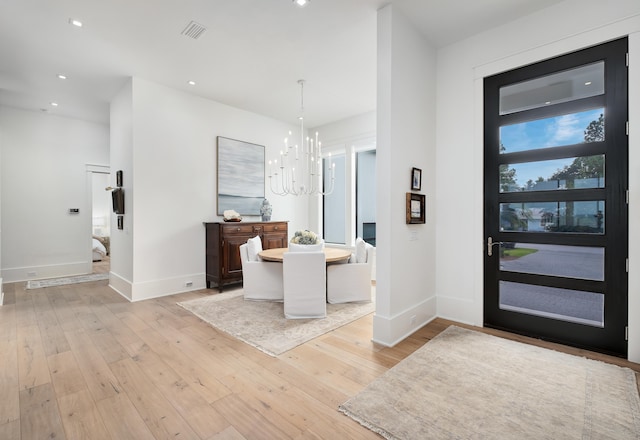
pixel 251 55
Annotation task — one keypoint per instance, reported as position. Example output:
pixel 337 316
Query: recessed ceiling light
pixel 54 104
pixel 192 83
pixel 548 102
pixel 588 83
pixel 301 3
pixel 61 76
pixel 75 22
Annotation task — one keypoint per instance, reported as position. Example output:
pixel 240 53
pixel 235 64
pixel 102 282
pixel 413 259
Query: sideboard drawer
pixel 237 229
pixel 275 227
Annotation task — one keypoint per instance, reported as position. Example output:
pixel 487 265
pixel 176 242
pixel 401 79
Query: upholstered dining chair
pixel 305 281
pixel 261 280
pixel 351 281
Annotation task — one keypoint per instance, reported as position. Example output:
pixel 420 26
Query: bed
pixel 99 249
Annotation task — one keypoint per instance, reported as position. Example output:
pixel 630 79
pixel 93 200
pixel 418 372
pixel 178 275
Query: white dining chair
pixel 305 281
pixel 351 281
pixel 261 280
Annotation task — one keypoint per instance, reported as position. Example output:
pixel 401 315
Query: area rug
pixel 37 284
pixel 262 324
pixel 468 385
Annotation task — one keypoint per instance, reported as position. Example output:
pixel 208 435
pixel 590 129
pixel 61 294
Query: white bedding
pixel 99 251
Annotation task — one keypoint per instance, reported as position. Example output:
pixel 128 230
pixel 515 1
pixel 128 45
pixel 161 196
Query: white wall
pixel 461 67
pixel 170 184
pixel 1 284
pixel 121 127
pixel 43 175
pixel 405 138
pixel 344 137
pixel 357 130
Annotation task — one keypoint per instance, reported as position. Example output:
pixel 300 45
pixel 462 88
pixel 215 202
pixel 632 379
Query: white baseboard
pixel 462 311
pixel 120 285
pixel 388 331
pixel 156 288
pixel 18 274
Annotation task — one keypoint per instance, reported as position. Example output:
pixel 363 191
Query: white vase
pixel 294 247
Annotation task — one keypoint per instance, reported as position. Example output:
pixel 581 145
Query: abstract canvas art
pixel 240 176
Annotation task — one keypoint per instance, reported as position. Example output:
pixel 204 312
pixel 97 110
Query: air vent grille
pixel 193 30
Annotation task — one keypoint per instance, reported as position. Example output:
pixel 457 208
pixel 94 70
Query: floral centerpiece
pixel 305 241
pixel 304 237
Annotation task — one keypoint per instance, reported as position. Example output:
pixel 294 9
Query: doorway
pixel 555 202
pixel 100 221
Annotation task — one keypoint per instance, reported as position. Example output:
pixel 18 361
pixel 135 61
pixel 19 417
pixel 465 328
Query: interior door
pixel 555 209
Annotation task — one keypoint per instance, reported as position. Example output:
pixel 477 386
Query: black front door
pixel 555 209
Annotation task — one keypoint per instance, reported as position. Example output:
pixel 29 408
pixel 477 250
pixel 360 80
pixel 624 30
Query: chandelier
pixel 299 171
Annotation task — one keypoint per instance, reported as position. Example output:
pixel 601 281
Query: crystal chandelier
pixel 299 171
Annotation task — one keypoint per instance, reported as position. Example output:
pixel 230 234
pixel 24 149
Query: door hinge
pixel 627 129
pixel 627 59
pixel 627 265
pixel 626 333
pixel 627 196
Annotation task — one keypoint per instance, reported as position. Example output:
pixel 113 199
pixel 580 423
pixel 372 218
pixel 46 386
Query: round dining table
pixel 333 255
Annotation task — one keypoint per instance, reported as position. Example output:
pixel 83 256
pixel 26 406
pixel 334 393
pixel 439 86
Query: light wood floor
pixel 102 266
pixel 80 362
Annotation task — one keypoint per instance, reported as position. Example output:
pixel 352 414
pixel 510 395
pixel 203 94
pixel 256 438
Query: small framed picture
pixel 119 178
pixel 415 208
pixel 416 179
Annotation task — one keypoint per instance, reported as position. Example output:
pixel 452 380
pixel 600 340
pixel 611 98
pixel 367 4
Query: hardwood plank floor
pixel 80 362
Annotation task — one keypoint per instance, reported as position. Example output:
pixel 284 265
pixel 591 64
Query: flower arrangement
pixel 305 237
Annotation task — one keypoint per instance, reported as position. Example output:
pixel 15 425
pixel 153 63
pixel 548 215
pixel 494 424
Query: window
pixel 366 196
pixel 334 211
pixel 350 210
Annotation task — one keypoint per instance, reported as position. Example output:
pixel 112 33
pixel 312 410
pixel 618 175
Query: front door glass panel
pixel 579 262
pixel 568 85
pixel 553 132
pixel 552 302
pixel 585 217
pixel 550 175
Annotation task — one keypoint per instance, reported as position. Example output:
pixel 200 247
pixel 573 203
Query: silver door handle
pixel 491 244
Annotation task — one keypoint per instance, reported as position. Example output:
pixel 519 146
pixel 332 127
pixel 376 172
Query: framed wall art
pixel 416 179
pixel 415 208
pixel 240 177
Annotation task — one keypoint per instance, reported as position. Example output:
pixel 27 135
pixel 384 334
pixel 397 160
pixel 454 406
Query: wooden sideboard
pixel 223 240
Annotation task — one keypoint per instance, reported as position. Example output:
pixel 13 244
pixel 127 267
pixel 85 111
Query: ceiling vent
pixel 193 30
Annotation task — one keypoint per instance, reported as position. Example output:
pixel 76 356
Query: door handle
pixel 491 244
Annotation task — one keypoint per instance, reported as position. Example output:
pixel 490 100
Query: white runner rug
pixel 37 284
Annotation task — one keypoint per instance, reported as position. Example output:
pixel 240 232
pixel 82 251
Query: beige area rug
pixel 262 323
pixel 468 385
pixel 38 284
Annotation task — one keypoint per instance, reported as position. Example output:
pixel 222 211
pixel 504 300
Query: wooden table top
pixel 332 254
